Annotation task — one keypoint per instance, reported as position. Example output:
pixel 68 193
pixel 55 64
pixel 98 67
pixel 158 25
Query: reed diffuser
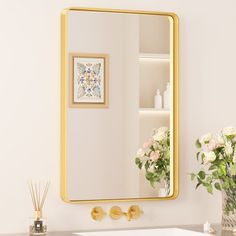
pixel 38 195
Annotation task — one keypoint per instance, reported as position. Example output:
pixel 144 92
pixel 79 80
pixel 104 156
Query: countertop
pixel 197 228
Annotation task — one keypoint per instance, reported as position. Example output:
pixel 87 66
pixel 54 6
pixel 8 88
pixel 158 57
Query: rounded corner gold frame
pixel 174 72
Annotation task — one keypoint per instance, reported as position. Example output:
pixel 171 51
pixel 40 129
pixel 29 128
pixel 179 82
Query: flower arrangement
pixel 217 156
pixel 154 157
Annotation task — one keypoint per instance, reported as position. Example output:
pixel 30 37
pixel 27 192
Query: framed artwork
pixel 89 80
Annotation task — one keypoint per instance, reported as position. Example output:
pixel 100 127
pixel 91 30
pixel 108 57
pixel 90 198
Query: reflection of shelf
pixel 153 110
pixel 154 56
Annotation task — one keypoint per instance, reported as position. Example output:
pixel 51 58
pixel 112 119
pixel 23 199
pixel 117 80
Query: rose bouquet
pixel 154 157
pixel 217 156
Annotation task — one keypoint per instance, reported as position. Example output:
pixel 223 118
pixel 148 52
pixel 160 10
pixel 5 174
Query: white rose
pixel 234 158
pixel 148 151
pixel 140 153
pixel 155 146
pixel 209 157
pixel 151 169
pixel 228 149
pixel 163 129
pixel 159 136
pixel 144 158
pixel 220 156
pixel 228 131
pixel 205 138
pixel 220 139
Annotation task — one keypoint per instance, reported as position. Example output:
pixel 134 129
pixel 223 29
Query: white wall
pixel 151 28
pixel 30 97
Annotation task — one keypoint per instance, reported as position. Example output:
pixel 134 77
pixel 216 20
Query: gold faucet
pixel 134 212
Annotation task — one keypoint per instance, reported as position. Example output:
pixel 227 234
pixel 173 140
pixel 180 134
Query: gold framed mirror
pixel 119 105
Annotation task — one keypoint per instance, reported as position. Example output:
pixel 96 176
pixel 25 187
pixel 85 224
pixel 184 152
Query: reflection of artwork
pixel 89 79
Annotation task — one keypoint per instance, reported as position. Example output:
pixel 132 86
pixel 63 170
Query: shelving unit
pixel 154 56
pixel 153 110
pixel 154 74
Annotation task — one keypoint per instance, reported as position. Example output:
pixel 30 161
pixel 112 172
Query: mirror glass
pixel 118 117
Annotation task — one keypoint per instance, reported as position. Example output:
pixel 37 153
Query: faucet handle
pixel 134 212
pixel 97 213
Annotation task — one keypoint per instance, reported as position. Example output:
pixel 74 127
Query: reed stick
pixel 38 195
pixel 44 194
pixel 32 195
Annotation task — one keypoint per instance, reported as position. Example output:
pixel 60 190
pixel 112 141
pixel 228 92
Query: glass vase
pixel 37 225
pixel 167 187
pixel 228 221
pixel 164 190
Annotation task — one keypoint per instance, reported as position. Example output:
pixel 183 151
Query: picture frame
pixel 88 80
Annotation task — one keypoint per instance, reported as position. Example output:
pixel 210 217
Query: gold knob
pixel 97 213
pixel 116 213
pixel 134 212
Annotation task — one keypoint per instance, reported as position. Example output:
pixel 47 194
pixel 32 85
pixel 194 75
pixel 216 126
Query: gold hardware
pixel 97 213
pixel 134 212
pixel 116 213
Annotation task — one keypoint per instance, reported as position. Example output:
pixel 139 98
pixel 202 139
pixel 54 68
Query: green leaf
pixel 209 179
pixel 233 169
pixel 222 170
pixel 149 176
pixel 192 176
pixel 152 184
pixel 232 183
pixel 209 189
pixel 198 185
pixel 137 161
pixel 198 153
pixel 140 165
pixel 212 167
pixel 225 184
pixel 215 174
pixel 198 144
pixel 217 186
pixel 201 174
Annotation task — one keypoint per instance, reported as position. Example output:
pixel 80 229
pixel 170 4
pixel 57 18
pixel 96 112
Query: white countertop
pixel 197 228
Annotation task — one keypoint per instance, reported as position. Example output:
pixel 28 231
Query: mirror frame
pixel 174 79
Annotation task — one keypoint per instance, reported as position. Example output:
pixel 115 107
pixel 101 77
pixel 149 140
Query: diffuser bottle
pixel 167 97
pixel 158 100
pixel 38 225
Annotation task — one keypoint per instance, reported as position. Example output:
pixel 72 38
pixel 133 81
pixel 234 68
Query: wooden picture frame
pixel 88 80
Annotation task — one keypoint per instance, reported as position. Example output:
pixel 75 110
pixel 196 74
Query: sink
pixel 143 232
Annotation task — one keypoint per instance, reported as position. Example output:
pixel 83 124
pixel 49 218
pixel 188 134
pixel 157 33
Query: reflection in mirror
pixel 117 101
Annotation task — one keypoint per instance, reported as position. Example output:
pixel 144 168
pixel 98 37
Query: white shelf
pixel 153 110
pixel 154 56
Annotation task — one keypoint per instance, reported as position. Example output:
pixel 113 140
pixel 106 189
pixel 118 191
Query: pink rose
pixel 148 143
pixel 154 155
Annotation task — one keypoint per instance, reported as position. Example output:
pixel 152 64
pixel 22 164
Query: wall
pixel 151 28
pixel 30 95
